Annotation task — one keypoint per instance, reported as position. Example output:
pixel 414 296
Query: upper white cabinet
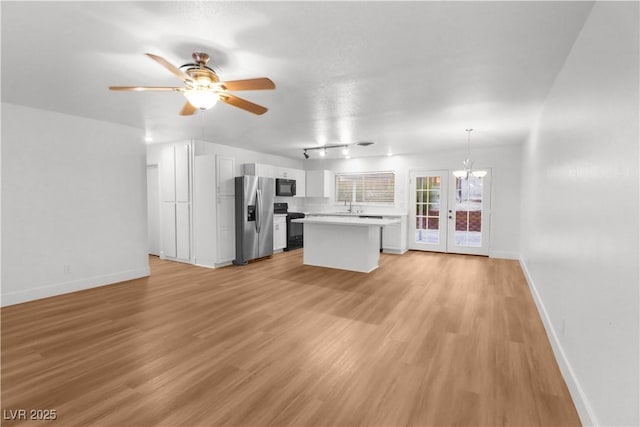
pixel 318 183
pixel 225 175
pixel 258 169
pixel 182 172
pixel 167 174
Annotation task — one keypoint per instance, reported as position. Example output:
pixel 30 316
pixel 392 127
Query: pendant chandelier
pixel 468 163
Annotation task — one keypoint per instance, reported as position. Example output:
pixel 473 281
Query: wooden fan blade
pixel 188 109
pixel 169 66
pixel 145 88
pixel 250 84
pixel 243 103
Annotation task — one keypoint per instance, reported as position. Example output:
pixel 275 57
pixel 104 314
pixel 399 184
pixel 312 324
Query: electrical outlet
pixel 564 325
pixel 67 269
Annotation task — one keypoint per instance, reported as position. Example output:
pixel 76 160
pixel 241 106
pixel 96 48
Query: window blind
pixel 366 187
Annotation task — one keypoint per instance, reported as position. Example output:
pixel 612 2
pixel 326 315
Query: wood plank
pixel 426 339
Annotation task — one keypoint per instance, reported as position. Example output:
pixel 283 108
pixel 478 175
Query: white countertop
pixel 345 220
pixel 355 214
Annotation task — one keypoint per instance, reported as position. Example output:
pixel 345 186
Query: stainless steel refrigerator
pixel 254 217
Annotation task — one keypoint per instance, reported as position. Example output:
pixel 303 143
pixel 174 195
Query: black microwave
pixel 285 187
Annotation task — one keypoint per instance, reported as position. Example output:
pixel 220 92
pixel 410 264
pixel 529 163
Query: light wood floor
pixel 425 340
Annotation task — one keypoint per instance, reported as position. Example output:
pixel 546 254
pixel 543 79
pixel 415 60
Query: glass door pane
pixel 468 225
pixel 427 215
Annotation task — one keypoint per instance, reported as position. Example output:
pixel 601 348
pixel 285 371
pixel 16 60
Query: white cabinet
pixel 214 210
pixel 167 174
pixel 225 175
pixel 182 152
pixel 167 231
pixel 204 210
pixel 258 169
pixel 318 183
pixel 183 231
pixel 279 231
pixel 225 230
pixel 225 209
pixel 174 171
pixel 394 236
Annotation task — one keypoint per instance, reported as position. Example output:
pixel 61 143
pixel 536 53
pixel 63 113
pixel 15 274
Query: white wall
pixel 580 216
pixel 74 204
pixel 504 162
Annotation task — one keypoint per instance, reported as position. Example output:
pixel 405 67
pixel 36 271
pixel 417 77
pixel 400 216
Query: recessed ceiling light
pixel 148 139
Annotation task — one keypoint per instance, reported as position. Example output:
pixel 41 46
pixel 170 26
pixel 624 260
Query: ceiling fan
pixel 203 88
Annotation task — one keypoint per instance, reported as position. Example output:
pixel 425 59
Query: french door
pixel 449 213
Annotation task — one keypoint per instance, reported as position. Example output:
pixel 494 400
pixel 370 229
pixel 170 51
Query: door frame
pixel 447 225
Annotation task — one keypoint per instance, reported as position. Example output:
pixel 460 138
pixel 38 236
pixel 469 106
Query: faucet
pixel 350 210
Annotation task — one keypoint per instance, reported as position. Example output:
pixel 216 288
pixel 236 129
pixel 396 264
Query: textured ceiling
pixel 410 76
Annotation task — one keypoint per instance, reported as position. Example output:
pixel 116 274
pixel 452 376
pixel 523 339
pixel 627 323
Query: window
pixel 366 187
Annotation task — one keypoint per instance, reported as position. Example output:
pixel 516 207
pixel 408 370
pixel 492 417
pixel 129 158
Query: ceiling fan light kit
pixel 203 89
pixel 202 99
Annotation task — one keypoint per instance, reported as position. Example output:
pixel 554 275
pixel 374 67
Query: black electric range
pixel 295 231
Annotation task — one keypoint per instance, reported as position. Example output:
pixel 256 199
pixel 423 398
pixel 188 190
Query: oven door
pixel 295 231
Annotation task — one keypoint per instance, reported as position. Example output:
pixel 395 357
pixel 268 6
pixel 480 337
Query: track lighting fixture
pixel 323 149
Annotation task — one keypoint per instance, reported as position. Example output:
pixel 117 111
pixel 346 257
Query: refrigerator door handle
pixel 258 207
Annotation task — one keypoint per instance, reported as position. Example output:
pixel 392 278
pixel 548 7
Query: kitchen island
pixel 346 243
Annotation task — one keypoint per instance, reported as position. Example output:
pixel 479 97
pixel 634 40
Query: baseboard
pixel 18 297
pixel 585 411
pixel 394 251
pixel 504 255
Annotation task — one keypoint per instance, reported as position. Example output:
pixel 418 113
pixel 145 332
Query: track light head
pixel 306 155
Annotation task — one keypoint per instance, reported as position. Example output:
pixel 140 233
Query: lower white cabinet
pixel 183 231
pixel 279 232
pixel 394 236
pixel 168 230
pixel 226 232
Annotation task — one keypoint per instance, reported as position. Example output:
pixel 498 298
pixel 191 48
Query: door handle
pixel 258 202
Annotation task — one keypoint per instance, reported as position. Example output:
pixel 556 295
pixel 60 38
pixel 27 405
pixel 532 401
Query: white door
pixel 428 215
pixel 468 212
pixel 450 214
